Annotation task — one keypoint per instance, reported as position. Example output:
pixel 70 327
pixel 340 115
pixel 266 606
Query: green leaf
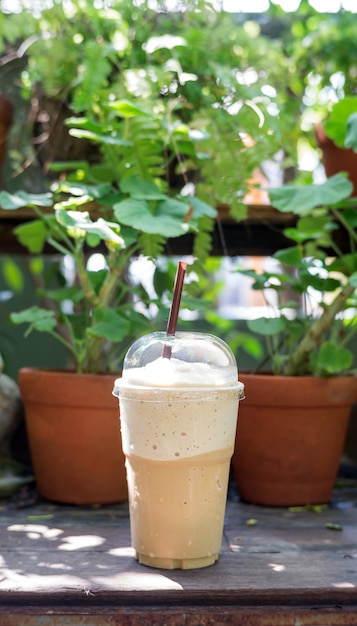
pixel 351 132
pixel 104 230
pixel 40 517
pixel 72 293
pixel 314 227
pixel 113 139
pixel 37 265
pixel 267 325
pixel 93 240
pixel 150 245
pixel 299 199
pixel 97 278
pixel 333 359
pixel 87 123
pixel 314 508
pixel 336 125
pixel 201 208
pixel 309 279
pixel 296 328
pixel 289 256
pixel 82 189
pixel 130 235
pixel 142 189
pixel 11 201
pixel 350 216
pixel 32 235
pixel 12 274
pixel 347 264
pixel 289 304
pixel 128 109
pixel 264 280
pixel 167 220
pixel 79 222
pixel 138 321
pixel 331 526
pixel 39 319
pixel 110 325
pixel 60 166
pixel 294 234
pixel 248 343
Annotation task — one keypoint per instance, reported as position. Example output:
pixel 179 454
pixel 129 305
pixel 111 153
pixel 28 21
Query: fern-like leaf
pixel 95 72
pixel 151 246
pixel 203 238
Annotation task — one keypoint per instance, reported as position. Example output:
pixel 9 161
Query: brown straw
pixel 175 306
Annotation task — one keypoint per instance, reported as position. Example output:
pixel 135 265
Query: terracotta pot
pixel 290 437
pixel 337 159
pixel 73 428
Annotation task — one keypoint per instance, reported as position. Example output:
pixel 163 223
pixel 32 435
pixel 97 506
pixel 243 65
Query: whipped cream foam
pixel 171 373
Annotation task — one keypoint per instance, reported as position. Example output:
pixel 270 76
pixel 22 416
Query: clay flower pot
pixel 290 437
pixel 73 428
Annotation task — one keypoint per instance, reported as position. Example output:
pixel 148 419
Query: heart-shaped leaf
pixel 299 199
pixel 166 220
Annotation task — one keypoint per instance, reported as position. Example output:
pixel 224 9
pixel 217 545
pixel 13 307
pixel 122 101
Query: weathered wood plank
pixel 51 549
pixel 188 616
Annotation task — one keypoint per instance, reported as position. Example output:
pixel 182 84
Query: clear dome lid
pixel 187 359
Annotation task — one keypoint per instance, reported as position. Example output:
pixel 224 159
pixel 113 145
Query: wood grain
pixel 49 550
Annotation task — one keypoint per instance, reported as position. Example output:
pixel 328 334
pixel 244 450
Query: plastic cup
pixel 178 423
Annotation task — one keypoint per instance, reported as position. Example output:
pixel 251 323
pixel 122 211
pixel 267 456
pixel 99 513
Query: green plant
pixel 197 109
pixel 320 46
pixel 319 50
pixel 314 316
pixel 93 314
pixel 341 125
pixel 308 334
pixel 168 131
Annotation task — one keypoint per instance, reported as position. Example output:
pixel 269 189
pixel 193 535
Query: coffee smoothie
pixel 178 422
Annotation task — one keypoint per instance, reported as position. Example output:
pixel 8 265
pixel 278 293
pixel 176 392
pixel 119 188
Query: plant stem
pixel 299 362
pixel 346 225
pixel 84 280
pixel 116 261
pixel 70 347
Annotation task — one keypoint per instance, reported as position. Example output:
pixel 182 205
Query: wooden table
pixel 73 565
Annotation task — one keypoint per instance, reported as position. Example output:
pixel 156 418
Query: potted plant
pixel 146 133
pixel 293 423
pixel 323 74
pixel 336 137
pixel 218 109
pixel 327 73
pixel 93 315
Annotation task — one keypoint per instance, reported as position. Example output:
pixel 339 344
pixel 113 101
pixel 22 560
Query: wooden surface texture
pixel 51 549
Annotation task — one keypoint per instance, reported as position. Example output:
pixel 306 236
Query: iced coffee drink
pixel 178 422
